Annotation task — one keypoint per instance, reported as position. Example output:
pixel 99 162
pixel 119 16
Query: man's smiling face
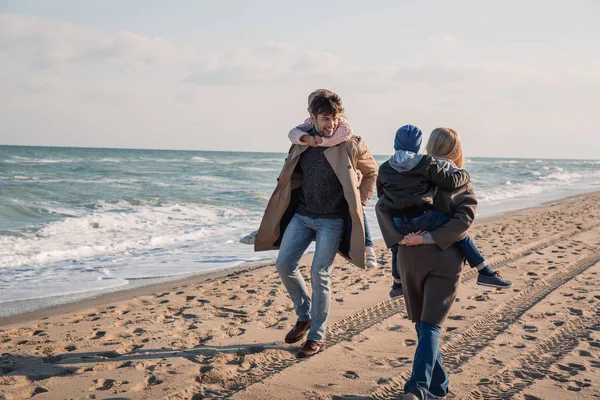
pixel 325 125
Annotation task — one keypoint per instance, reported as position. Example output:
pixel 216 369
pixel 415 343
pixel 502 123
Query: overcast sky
pixel 514 78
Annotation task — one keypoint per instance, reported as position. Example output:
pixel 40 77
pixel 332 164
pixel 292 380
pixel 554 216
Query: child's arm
pixel 342 133
pixel 296 134
pixel 445 179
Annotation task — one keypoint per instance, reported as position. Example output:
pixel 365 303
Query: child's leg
pixel 397 285
pixel 370 259
pixel 429 221
pixel 470 252
pixel 403 227
pixel 487 276
pixel 395 273
pixel 368 240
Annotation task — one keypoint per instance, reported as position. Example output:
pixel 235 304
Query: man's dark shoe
pixel 297 332
pixel 494 280
pixel 414 394
pixel 310 348
pixel 396 290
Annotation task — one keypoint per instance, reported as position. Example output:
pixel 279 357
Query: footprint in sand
pixel 530 328
pixel 147 382
pixel 575 311
pixel 25 394
pixel 70 347
pixel 351 375
pixel 96 335
pixel 103 384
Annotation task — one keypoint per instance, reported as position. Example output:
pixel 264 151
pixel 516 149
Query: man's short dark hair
pixel 326 103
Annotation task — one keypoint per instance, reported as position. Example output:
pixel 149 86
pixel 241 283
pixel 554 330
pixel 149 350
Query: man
pixel 318 195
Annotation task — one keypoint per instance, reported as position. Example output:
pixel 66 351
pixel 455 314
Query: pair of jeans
pixel 298 235
pixel 428 374
pixel 368 240
pixel 430 221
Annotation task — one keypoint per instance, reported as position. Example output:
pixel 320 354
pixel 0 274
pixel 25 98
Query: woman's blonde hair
pixel 445 142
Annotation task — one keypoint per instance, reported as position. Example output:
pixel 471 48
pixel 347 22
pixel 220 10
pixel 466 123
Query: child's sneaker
pixel 494 280
pixel 370 259
pixel 396 290
pixel 249 239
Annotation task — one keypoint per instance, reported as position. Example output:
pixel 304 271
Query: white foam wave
pixel 94 181
pixel 26 160
pixel 553 181
pixel 259 169
pixel 117 229
pixel 203 178
pixel 508 162
pixel 108 160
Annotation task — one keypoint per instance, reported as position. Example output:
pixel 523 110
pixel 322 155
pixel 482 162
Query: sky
pixel 514 78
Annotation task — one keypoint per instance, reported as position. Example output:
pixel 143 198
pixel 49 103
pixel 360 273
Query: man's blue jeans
pixel 298 235
pixel 428 374
pixel 430 221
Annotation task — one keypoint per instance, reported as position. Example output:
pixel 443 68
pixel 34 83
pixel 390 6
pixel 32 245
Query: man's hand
pixel 412 239
pixel 309 140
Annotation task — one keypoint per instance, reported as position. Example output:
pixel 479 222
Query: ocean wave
pixel 505 193
pixel 527 188
pixel 108 160
pixel 507 162
pixel 90 181
pixel 204 178
pixel 260 169
pixel 123 228
pixel 26 160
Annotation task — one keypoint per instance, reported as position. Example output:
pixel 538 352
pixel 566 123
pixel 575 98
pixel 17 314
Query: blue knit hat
pixel 408 138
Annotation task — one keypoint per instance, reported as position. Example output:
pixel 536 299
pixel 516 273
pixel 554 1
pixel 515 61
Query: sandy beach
pixel 222 335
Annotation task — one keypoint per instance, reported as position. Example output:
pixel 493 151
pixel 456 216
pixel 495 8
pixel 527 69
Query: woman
pixel 431 267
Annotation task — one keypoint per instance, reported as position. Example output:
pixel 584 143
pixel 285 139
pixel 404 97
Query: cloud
pixel 47 43
pixel 444 40
pixel 274 47
pixel 311 62
pixel 149 50
pixel 274 64
pixel 88 57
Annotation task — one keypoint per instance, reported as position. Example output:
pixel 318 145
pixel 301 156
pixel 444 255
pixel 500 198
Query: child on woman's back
pixel 408 182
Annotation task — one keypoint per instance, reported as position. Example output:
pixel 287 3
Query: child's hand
pixel 412 239
pixel 318 140
pixel 358 176
pixel 309 140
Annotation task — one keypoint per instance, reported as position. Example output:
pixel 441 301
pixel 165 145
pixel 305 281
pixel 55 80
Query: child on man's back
pixel 299 135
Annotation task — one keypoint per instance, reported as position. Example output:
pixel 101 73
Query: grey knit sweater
pixel 322 193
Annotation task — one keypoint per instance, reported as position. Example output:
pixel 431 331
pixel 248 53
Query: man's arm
pixel 446 180
pixel 367 165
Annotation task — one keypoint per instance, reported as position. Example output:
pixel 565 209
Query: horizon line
pixel 258 152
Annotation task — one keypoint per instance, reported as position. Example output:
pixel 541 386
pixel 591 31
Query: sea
pixel 79 222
